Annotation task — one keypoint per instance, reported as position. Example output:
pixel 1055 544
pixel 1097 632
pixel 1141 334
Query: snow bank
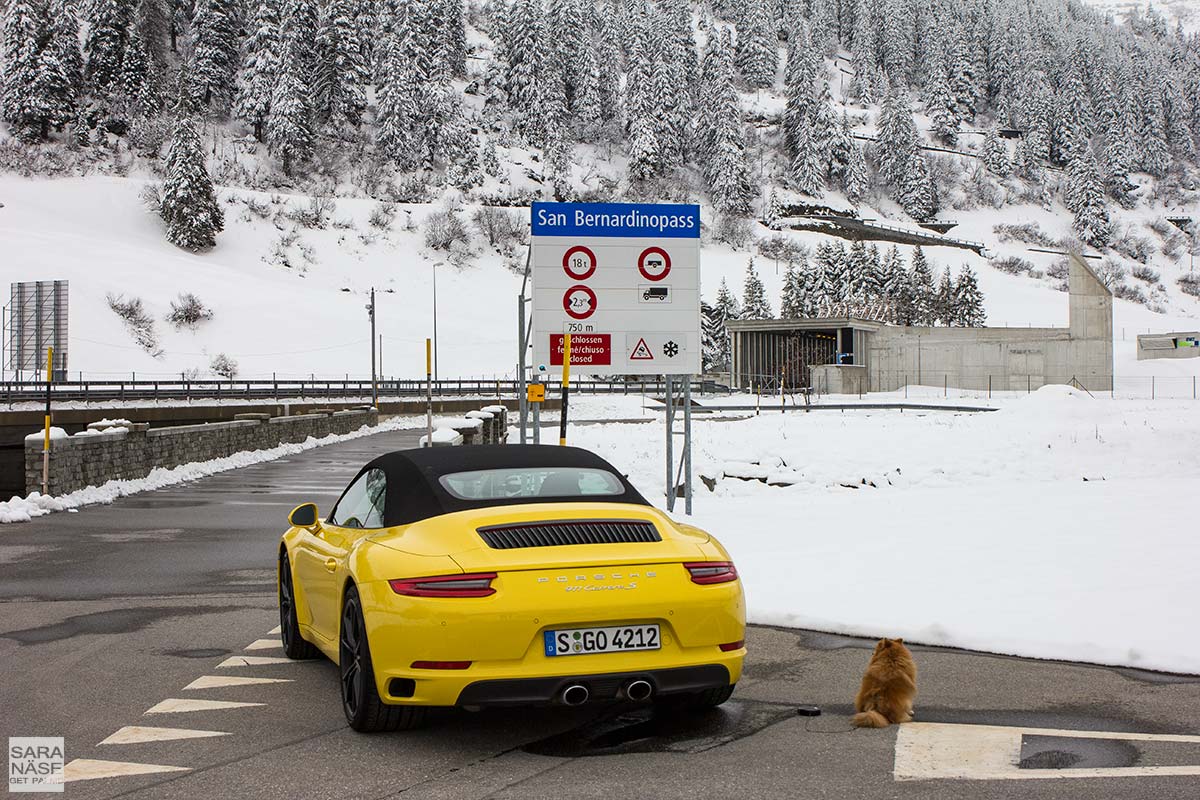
pixel 36 505
pixel 443 436
pixel 40 436
pixel 1061 526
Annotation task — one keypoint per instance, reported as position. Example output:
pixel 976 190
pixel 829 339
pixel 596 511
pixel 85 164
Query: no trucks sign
pixel 624 280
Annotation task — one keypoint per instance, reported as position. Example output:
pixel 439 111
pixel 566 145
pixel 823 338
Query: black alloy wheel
pixel 294 645
pixel 365 710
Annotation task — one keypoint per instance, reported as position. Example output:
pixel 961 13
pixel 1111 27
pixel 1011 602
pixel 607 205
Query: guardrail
pixel 233 390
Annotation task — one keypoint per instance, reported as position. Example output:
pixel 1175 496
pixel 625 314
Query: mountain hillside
pixel 410 139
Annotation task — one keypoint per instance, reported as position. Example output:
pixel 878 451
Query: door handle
pixel 331 564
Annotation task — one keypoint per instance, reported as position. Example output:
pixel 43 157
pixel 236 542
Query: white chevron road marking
pixel 220 681
pixel 89 769
pixel 275 630
pixel 135 734
pixel 264 644
pixel 178 705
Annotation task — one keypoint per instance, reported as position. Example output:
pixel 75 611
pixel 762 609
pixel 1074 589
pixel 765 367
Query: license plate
pixel 617 639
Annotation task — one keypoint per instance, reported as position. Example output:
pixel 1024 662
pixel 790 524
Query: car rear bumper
pixel 605 686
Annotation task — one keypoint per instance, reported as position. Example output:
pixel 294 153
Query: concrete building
pixel 848 355
pixel 1168 345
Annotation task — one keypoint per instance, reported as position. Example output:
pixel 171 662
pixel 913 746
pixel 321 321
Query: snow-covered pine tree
pixel 917 192
pixel 944 309
pixel 854 178
pixel 968 300
pixel 800 89
pixel 260 68
pixel 940 103
pixel 452 18
pixel 808 170
pixel 897 137
pixel 1119 159
pixel 963 74
pixel 290 134
pixel 773 209
pixel 754 296
pixel 398 134
pixel 757 45
pixel 524 40
pixel 858 269
pixel 792 299
pixel 22 31
pixel 840 145
pixel 342 76
pixel 557 155
pixel 833 269
pixel 896 42
pixel 921 287
pixel 713 336
pixel 1154 156
pixel 189 202
pixel 152 19
pixel 214 52
pixel 104 47
pixel 995 155
pixel 725 167
pixel 1085 197
pixel 725 308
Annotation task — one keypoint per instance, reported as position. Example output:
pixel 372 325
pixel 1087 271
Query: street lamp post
pixel 374 384
pixel 435 335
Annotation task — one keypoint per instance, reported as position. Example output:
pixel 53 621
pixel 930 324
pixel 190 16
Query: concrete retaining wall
pixel 79 461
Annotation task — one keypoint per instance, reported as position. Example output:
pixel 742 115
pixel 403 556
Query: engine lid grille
pixel 567 532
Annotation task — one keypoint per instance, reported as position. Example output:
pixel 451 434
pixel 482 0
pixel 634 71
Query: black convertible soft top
pixel 414 492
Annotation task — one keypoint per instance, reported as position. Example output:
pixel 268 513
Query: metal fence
pixel 231 390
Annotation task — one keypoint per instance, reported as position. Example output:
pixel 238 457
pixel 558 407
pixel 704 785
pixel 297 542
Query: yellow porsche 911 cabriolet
pixel 506 575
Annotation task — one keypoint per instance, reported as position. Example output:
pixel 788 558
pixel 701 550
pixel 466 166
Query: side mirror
pixel 304 516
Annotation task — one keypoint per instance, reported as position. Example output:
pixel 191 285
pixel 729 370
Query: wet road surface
pixel 158 613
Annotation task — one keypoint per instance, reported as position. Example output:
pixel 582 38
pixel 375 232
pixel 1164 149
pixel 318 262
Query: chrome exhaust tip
pixel 574 695
pixel 639 691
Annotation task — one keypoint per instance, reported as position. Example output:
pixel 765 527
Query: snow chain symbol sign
pixel 623 281
pixel 579 302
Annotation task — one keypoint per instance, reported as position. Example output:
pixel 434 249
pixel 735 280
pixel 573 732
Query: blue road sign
pixel 628 220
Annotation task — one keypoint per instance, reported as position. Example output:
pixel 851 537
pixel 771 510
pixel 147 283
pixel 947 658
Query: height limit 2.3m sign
pixel 624 280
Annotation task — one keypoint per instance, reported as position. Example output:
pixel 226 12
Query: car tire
pixel 294 645
pixel 697 701
pixel 365 710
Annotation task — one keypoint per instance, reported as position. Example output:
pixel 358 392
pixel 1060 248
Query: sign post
pixel 429 392
pixel 621 283
pixel 46 440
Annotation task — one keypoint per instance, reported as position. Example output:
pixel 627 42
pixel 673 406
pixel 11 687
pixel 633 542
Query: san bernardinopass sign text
pixel 624 280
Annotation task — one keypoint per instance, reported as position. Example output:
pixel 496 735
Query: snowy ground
pixel 293 322
pixel 1060 526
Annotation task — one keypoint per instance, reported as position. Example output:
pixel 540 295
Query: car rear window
pixel 531 482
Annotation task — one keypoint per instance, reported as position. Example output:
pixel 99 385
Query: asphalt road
pixel 111 617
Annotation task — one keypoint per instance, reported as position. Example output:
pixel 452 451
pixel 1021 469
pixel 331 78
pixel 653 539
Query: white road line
pixel 135 734
pixel 935 750
pixel 89 769
pixel 220 681
pixel 253 661
pixel 177 705
pixel 275 630
pixel 264 644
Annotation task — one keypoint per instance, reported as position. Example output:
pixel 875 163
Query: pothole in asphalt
pixel 203 652
pixel 1063 752
pixel 653 730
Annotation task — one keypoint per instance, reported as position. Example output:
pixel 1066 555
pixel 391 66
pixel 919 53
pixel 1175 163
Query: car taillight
pixel 441 664
pixel 731 646
pixel 476 585
pixel 712 571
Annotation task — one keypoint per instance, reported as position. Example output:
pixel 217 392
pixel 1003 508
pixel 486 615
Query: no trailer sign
pixel 624 280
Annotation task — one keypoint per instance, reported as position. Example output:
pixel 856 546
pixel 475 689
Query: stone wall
pixel 92 458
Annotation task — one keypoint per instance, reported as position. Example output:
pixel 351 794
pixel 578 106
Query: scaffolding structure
pixel 35 319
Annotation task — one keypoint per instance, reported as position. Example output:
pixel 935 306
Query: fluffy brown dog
pixel 888 688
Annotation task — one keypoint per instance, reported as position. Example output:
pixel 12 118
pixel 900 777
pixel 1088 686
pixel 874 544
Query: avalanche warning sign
pixel 641 352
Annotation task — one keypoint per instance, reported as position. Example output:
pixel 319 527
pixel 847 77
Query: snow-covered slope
pixel 297 321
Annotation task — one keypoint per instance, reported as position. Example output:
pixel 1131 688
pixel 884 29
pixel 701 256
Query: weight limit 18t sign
pixel 624 280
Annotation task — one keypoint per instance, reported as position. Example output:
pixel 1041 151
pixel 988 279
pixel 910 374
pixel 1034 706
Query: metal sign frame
pixel 37 320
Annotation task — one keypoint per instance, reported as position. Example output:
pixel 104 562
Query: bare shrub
pixel 1134 294
pixel 148 134
pixel 408 189
pixel 1134 247
pixel 1028 232
pixel 382 216
pixel 281 254
pixel 344 224
pixel 504 230
pixel 1111 273
pixel 316 214
pixel 1013 265
pixel 137 320
pixel 263 209
pixel 1144 273
pixel 188 311
pixel 224 366
pixel 733 230
pixel 151 195
pixel 445 230
pixel 781 248
pixel 1190 284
